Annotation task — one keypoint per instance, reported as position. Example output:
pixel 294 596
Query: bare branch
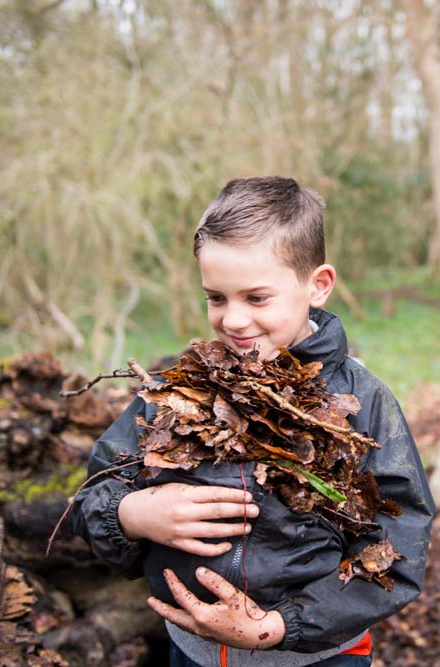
pixel 54 311
pixel 101 473
pixel 308 418
pixel 101 376
pixel 139 371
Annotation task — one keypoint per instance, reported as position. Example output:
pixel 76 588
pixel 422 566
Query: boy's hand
pixel 179 515
pixel 229 621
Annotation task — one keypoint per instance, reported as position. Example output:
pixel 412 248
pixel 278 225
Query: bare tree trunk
pixel 422 29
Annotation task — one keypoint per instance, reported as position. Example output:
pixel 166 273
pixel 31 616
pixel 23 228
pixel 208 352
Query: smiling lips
pixel 244 342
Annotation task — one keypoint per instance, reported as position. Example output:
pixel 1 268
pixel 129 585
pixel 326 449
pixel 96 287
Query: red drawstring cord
pixel 223 647
pixel 243 551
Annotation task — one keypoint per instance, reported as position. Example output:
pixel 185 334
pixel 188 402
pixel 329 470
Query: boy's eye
pixel 254 298
pixel 215 298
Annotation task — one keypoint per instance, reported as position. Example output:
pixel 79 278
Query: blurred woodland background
pixel 119 121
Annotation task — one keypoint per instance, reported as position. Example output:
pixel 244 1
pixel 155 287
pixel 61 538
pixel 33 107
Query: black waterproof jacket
pixel 292 558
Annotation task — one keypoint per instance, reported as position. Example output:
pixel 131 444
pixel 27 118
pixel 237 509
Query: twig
pixel 288 407
pixel 137 369
pixel 101 376
pixel 346 517
pixel 108 471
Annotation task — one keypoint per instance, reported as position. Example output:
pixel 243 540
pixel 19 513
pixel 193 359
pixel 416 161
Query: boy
pixel 260 248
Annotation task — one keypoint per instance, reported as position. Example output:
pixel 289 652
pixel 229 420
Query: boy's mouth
pixel 244 342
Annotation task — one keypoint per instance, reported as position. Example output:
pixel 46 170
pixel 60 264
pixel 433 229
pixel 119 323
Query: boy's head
pixel 276 209
pixel 260 246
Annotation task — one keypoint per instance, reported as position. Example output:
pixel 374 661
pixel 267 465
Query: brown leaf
pixel 378 557
pixel 226 414
pixel 279 452
pixel 344 404
pixel 155 459
pixel 215 354
pixel 18 598
pixel 160 441
pixel 217 438
pixel 390 507
pixel 311 370
pixel 198 395
pixel 372 563
pixel 184 408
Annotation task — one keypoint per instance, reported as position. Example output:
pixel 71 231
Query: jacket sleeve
pixel 324 614
pixel 94 514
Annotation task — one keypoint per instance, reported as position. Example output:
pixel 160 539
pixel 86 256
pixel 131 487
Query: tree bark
pixel 422 30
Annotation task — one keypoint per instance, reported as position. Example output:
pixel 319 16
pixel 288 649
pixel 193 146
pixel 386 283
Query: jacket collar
pixel 328 344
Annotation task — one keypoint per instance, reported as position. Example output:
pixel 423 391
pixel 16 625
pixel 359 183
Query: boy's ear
pixel 321 284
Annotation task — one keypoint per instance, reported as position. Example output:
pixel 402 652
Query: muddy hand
pixel 235 620
pixel 181 516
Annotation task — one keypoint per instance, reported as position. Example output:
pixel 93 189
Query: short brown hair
pixel 248 209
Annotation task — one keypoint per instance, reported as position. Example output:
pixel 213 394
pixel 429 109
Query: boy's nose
pixel 235 319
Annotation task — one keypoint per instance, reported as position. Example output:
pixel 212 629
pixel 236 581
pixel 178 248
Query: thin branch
pixel 102 376
pixel 285 405
pixel 140 372
pixel 101 473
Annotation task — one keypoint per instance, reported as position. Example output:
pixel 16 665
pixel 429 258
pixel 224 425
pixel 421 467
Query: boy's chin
pixel 269 356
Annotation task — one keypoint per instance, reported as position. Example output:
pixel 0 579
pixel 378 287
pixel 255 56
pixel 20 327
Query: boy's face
pixel 254 298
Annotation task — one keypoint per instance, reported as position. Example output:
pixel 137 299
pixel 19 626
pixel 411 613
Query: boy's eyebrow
pixel 243 291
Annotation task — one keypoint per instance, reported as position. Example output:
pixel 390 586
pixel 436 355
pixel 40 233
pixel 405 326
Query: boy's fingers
pixel 177 616
pixel 199 548
pixel 216 494
pixel 207 529
pixel 222 510
pixel 181 594
pixel 217 585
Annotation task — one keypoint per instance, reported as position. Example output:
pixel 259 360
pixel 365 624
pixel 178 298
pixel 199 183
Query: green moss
pixel 6 496
pixel 6 363
pixel 62 483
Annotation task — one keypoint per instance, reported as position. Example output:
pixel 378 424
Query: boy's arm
pixel 94 514
pixel 324 614
pixel 118 521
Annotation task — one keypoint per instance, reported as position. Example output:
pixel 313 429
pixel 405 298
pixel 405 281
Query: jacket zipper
pixel 236 562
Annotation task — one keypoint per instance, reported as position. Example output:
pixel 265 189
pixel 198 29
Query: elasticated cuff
pixel 289 612
pixel 112 524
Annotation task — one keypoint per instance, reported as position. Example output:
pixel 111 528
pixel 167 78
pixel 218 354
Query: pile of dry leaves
pixel 218 406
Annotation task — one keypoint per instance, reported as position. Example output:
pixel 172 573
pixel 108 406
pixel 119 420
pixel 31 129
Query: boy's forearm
pixel 95 518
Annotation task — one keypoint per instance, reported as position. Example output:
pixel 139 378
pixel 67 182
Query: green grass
pixel 402 349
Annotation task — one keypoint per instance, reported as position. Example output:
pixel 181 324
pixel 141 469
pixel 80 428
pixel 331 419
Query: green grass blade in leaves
pixel 319 484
